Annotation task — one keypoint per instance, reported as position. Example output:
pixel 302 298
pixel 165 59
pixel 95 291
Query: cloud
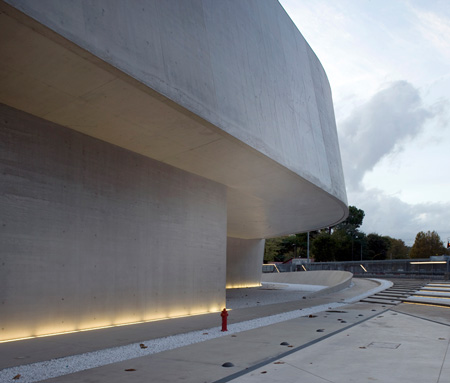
pixel 380 127
pixel 383 129
pixel 434 26
pixel 388 215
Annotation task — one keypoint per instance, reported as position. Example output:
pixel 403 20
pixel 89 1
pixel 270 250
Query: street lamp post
pixel 360 244
pixel 307 249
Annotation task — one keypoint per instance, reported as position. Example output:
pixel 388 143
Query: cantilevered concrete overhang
pixel 295 188
pixel 146 149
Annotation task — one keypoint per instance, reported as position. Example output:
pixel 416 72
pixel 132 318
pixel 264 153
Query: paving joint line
pixel 293 350
pixel 425 319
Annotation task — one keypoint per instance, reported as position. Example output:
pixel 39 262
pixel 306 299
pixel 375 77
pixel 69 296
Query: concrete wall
pixel 335 280
pixel 241 65
pixel 92 234
pixel 244 262
pixel 227 90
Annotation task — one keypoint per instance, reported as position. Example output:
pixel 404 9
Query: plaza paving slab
pixel 46 348
pixel 390 347
pixel 202 362
pixel 354 343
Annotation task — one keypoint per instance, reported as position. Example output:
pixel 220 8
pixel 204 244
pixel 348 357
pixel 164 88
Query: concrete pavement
pixel 46 348
pixel 358 342
pixel 390 347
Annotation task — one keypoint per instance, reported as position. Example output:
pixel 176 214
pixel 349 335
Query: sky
pixel 388 64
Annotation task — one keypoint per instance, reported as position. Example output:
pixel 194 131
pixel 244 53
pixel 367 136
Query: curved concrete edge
pixel 383 285
pixel 188 110
pixel 335 280
pixel 343 284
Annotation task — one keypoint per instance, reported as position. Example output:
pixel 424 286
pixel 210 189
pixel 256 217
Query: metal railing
pixel 406 268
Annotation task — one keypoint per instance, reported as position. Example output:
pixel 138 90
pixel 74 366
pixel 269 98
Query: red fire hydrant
pixel 224 315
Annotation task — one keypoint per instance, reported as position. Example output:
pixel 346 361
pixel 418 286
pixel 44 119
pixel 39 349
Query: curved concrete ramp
pixel 335 280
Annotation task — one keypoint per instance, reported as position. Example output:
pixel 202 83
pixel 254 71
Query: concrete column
pixel 244 262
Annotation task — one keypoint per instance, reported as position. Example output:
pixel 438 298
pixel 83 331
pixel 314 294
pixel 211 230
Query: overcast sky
pixel 388 63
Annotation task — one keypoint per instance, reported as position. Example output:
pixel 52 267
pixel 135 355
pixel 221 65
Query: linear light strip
pixel 103 327
pixel 272 264
pixel 428 263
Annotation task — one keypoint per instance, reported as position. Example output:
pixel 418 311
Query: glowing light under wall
pixel 242 285
pixel 46 331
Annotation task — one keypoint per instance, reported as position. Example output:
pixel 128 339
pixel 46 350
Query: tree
pixel 397 249
pixel 353 222
pixel 360 246
pixel 377 246
pixel 344 250
pixel 346 235
pixel 280 249
pixel 323 248
pixel 426 245
pixel 293 246
pixel 345 243
pixel 272 249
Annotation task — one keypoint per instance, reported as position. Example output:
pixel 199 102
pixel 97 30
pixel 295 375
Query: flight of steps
pixel 434 293
pixel 400 292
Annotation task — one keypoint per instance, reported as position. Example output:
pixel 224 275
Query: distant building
pixel 147 149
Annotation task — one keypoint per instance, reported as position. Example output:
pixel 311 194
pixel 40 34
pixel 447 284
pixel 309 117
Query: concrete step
pixel 376 296
pixel 381 301
pixel 443 289
pixel 407 290
pixel 408 287
pixel 400 293
pixel 392 295
pixel 429 300
pixel 439 294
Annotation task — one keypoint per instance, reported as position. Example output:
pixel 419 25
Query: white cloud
pixel 434 27
pixel 388 215
pixel 394 142
pixel 380 127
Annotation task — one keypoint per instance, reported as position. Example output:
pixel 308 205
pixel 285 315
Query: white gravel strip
pixel 57 367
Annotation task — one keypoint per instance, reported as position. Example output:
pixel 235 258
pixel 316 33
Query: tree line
pixel 346 242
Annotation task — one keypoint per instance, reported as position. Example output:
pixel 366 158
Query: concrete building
pixel 147 148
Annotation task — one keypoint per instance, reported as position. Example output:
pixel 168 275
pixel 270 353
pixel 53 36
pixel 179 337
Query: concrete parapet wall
pixel 335 280
pixel 93 235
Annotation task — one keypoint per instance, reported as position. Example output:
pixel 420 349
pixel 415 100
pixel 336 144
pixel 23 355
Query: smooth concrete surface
pixel 135 138
pixel 214 60
pixel 41 349
pixel 244 260
pixel 202 362
pixel 229 91
pixel 430 300
pixel 335 280
pixel 94 235
pixel 359 342
pixel 391 347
